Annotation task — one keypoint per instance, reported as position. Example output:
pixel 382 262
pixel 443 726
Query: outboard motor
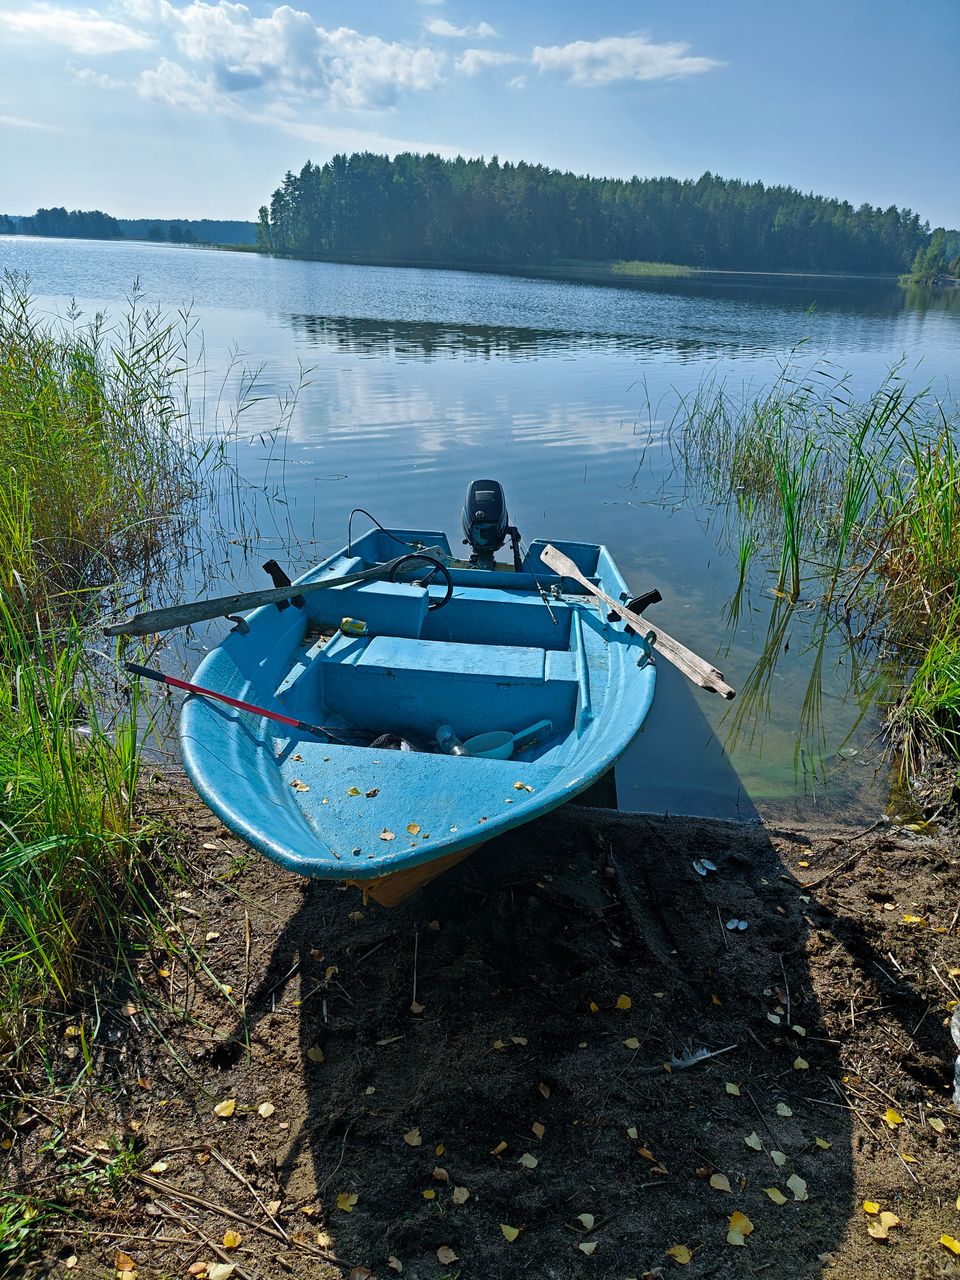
pixel 486 525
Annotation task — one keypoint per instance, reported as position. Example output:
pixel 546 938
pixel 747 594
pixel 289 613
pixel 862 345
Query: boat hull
pixel 509 649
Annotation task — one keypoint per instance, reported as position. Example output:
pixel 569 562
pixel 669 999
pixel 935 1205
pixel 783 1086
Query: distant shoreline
pixel 620 273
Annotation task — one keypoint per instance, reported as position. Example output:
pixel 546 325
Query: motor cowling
pixel 485 521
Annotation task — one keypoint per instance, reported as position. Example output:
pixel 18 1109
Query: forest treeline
pixel 77 224
pixel 422 208
pixel 93 224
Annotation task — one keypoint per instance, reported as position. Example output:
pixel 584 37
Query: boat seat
pixel 391 683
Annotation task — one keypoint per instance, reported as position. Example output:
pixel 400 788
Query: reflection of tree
pixel 419 339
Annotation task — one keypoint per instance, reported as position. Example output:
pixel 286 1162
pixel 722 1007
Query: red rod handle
pixel 149 674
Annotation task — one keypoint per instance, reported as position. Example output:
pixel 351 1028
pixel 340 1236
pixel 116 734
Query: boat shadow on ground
pixel 660 1119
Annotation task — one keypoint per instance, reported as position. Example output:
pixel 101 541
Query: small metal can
pixel 353 626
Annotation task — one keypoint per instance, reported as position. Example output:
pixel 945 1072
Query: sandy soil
pixel 555 1061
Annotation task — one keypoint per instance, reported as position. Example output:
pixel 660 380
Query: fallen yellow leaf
pixel 226 1108
pixel 778 1158
pixel 315 1054
pixel 783 1109
pixel 231 1239
pixel 631 1043
pixel 732 1089
pixel 753 1142
pixel 161 1166
pixel 624 1002
pixel 460 1195
pixel 739 1227
pixel 445 1254
pixel 587 1246
pixel 801 1064
pixel 880 1227
pixel 892 1118
pixel 346 1200
pixel 412 1138
pixel 871 1206
pixel 720 1182
pixel 798 1187
pixel 266 1110
pixel 776 1195
pixel 413 828
pixel 429 1194
pixel 680 1253
pixel 528 1161
pixel 510 1233
pixel 908 919
pixel 587 1219
pixel 825 1146
pixel 353 791
pixel 936 1124
pixel 951 1243
pixel 538 1130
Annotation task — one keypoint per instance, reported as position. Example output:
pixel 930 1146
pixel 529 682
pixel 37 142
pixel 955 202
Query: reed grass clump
pixel 93 443
pixel 96 475
pixel 855 504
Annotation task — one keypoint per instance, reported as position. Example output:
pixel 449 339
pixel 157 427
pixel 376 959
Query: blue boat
pixel 456 700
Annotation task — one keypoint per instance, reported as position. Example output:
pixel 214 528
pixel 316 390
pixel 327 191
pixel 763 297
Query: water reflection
pixel 423 340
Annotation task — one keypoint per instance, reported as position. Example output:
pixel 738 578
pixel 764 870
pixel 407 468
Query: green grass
pixel 95 475
pixel 854 505
pixel 666 270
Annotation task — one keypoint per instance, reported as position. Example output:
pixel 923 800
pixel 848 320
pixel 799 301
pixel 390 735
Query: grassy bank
pixel 856 506
pixel 96 475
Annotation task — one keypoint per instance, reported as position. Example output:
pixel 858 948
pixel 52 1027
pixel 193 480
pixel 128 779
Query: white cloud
pixel 287 54
pixel 18 122
pixel 82 30
pixel 87 75
pixel 601 62
pixel 518 82
pixel 472 61
pixel 441 27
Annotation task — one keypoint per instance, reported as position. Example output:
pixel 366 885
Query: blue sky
pixel 195 108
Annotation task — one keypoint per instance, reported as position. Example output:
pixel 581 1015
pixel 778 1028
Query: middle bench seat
pixel 390 683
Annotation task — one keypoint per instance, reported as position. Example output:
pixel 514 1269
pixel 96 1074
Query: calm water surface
pixel 413 382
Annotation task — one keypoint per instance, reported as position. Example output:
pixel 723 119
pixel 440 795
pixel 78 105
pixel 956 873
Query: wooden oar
pixel 698 670
pixel 182 615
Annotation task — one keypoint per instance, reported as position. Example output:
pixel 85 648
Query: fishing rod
pixel 147 673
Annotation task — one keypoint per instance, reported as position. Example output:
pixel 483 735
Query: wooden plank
pixel 691 664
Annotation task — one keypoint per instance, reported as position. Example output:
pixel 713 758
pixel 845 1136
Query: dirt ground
pixel 556 1061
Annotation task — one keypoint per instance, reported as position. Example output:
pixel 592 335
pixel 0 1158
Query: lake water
pixel 417 381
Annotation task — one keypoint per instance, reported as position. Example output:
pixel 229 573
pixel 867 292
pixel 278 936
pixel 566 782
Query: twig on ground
pixel 222 1254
